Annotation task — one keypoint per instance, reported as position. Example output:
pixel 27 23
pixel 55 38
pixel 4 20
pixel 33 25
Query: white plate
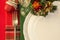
pixel 40 28
pixel 25 26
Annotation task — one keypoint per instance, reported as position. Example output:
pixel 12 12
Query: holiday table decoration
pixel 37 18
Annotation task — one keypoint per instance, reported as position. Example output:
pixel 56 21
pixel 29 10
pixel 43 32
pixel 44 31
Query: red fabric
pixel 8 19
pixel 2 20
pixel 9 34
pixel 5 19
pixel 9 8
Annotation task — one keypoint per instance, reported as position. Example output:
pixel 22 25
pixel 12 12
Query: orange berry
pixel 36 5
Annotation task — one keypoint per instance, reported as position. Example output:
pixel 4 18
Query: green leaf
pixel 53 8
pixel 42 1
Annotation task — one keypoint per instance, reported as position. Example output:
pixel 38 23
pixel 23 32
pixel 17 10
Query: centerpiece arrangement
pixel 40 8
